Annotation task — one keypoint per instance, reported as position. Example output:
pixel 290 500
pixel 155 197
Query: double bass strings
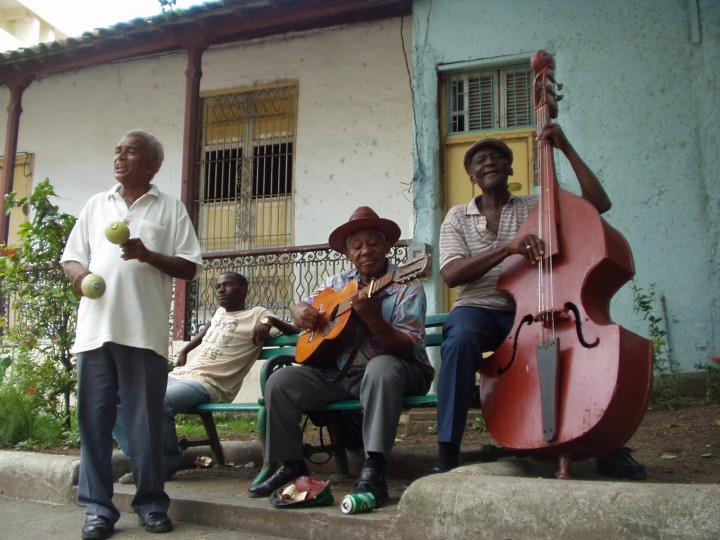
pixel 546 229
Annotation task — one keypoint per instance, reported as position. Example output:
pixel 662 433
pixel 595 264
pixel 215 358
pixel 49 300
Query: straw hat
pixel 363 218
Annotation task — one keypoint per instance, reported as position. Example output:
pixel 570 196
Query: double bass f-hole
pixel 569 306
pixel 529 319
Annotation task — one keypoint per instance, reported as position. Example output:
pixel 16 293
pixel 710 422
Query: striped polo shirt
pixel 464 233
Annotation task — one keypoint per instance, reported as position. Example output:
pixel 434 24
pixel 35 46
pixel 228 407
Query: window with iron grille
pixel 490 99
pixel 246 169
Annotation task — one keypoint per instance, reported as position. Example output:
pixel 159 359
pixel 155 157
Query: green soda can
pixel 356 503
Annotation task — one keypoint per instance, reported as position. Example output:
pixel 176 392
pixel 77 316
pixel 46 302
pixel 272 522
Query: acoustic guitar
pixel 336 330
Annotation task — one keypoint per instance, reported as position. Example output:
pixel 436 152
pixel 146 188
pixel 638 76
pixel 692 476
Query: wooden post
pixel 193 75
pixel 14 109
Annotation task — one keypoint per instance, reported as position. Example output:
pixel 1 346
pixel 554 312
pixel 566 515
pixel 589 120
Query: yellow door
pixel 459 189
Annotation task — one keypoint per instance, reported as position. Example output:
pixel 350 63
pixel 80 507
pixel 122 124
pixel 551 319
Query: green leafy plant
pixel 40 306
pixel 712 384
pixel 667 387
pixel 23 426
pixel 479 424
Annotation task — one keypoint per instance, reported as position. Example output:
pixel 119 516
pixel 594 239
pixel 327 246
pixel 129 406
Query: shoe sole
pixel 97 535
pixel 167 527
pixel 163 529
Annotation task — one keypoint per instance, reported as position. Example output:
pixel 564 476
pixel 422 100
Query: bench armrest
pixel 271 365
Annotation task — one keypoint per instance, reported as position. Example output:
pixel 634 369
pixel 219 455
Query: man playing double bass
pixel 474 240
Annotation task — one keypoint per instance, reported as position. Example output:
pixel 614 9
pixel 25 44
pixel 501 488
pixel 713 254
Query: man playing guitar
pixel 385 361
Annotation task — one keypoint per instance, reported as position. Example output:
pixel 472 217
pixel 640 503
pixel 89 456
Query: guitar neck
pixel 375 286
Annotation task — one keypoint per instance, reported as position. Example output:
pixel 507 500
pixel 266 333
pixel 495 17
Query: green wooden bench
pixel 280 352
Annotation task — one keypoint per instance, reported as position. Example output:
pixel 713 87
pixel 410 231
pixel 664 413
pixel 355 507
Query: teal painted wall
pixel 642 85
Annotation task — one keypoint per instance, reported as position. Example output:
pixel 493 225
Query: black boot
pixel 284 475
pixel 620 464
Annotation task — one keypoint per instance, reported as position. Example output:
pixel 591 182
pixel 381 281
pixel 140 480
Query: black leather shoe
pixel 156 522
pixel 97 527
pixel 620 464
pixel 371 481
pixel 282 476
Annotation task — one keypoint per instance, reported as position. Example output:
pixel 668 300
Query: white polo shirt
pixel 135 309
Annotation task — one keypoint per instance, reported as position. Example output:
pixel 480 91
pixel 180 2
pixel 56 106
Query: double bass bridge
pixel 548 318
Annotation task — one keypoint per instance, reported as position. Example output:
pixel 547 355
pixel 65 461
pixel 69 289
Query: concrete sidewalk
pixel 512 498
pixel 23 519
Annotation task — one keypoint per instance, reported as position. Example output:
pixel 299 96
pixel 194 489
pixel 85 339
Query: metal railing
pixel 278 278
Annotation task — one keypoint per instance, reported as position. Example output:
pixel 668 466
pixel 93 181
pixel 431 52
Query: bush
pixel 712 385
pixel 22 426
pixel 38 378
pixel 666 390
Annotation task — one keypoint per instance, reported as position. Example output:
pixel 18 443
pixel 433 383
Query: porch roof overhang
pixel 212 23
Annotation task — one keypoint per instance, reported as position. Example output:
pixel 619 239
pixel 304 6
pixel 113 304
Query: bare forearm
pixel 285 328
pixel 75 271
pixel 590 186
pixel 469 269
pixel 193 343
pixel 176 267
pixel 173 266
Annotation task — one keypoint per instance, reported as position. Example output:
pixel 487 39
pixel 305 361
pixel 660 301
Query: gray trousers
pixel 138 377
pixel 291 391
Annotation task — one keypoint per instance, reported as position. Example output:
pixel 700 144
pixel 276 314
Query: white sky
pixel 77 16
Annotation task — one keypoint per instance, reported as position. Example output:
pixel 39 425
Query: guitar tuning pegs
pixel 559 86
pixel 559 97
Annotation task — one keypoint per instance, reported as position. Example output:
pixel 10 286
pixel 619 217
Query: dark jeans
pixel 467 334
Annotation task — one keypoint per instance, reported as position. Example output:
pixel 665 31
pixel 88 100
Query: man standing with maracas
pixel 122 336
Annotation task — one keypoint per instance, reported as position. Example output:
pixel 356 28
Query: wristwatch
pixel 266 320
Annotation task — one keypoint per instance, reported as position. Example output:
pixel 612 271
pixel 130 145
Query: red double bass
pixel 567 383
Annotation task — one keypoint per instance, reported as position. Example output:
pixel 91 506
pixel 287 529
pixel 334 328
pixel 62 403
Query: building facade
pixel 372 102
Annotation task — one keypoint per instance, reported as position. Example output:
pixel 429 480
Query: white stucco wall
pixel 354 133
pixel 641 84
pixel 354 119
pixel 72 122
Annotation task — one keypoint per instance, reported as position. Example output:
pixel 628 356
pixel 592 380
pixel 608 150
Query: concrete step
pixel 219 499
pixel 510 498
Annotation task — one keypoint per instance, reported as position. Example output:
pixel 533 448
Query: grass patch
pixel 228 424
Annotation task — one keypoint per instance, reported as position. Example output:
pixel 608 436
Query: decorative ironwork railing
pixel 278 278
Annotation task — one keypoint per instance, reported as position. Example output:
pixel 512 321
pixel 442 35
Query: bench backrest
pixel 286 344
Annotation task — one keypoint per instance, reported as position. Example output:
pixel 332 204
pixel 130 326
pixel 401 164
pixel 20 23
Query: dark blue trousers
pixel 468 332
pixel 138 377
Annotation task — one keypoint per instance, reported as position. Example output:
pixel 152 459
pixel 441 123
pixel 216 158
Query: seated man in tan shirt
pixel 228 348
